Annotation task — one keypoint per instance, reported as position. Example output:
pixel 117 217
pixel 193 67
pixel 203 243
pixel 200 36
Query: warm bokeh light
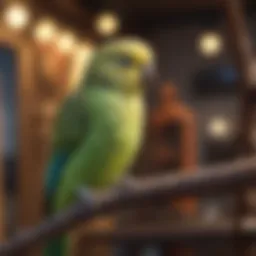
pixel 210 44
pixel 16 16
pixel 80 62
pixel 211 214
pixel 66 42
pixel 45 31
pixel 218 127
pixel 107 24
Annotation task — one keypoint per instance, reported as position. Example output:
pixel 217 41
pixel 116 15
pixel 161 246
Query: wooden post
pixel 29 198
pixel 243 56
pixel 172 111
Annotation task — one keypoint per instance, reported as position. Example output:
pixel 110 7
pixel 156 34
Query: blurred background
pixel 204 111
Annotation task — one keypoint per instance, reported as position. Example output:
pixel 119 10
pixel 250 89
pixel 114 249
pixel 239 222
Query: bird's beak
pixel 150 80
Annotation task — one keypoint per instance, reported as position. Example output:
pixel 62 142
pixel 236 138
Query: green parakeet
pixel 99 128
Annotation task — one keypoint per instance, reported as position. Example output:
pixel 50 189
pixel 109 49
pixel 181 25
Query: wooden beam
pixel 2 171
pixel 69 16
pixel 181 4
pixel 243 57
pixel 29 164
pixel 242 53
pixel 195 232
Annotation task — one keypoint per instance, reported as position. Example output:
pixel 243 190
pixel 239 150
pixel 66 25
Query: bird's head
pixel 124 64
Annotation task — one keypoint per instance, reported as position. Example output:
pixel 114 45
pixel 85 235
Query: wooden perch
pixel 193 233
pixel 215 179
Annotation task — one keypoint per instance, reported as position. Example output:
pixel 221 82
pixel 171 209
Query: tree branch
pixel 215 179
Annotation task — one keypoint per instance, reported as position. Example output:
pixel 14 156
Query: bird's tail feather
pixel 57 246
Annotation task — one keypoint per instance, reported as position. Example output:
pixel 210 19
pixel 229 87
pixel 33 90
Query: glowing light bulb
pixel 107 24
pixel 66 42
pixel 16 16
pixel 210 44
pixel 45 31
pixel 218 128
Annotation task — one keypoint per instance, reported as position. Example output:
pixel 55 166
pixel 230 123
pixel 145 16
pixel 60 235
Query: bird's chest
pixel 122 123
pixel 127 125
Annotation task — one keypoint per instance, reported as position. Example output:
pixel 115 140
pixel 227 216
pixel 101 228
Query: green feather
pixel 57 247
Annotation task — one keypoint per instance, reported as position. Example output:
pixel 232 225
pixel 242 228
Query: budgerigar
pixel 99 128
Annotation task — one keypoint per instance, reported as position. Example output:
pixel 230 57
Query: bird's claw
pixel 92 197
pixel 127 186
pixel 87 196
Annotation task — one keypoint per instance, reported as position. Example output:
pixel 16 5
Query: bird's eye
pixel 125 61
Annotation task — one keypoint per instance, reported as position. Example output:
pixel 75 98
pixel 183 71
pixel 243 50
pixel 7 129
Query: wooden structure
pixel 173 132
pixel 243 56
pixel 27 81
pixel 2 195
pixel 29 160
pixel 171 139
pixel 32 110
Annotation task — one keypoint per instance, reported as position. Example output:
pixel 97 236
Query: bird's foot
pixel 91 197
pixel 88 196
pixel 127 186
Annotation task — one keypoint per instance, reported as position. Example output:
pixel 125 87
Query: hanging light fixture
pixel 210 44
pixel 107 24
pixel 16 16
pixel 45 31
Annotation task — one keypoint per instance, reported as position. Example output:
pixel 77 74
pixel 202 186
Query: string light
pixel 45 31
pixel 218 128
pixel 107 24
pixel 16 16
pixel 210 44
pixel 66 42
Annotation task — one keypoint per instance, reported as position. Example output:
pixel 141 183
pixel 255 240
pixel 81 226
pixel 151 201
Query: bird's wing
pixel 70 126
